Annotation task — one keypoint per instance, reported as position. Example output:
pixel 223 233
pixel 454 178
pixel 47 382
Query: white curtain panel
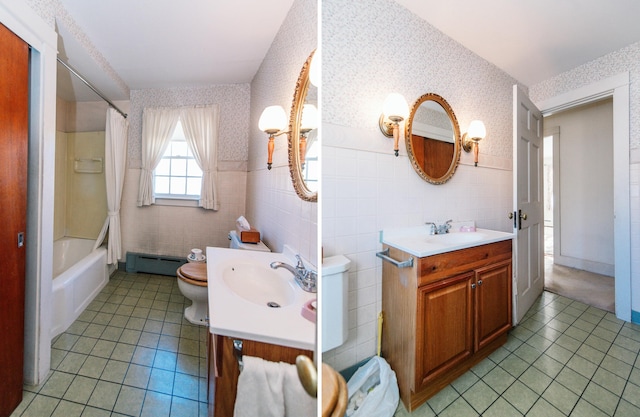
pixel 158 125
pixel 115 166
pixel 200 125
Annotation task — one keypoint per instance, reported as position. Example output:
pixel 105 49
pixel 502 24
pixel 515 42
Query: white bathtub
pixel 79 274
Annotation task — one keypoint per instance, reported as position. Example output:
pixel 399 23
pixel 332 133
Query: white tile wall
pixel 167 230
pixel 366 191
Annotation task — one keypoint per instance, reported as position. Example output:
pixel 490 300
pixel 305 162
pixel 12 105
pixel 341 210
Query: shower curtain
pixel 115 165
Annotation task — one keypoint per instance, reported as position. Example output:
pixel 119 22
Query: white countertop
pixel 234 316
pixel 418 242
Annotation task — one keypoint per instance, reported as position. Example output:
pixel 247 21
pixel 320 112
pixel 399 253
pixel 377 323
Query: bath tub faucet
pixel 305 278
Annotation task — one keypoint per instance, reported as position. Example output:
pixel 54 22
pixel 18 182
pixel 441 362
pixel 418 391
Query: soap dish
pixel 309 310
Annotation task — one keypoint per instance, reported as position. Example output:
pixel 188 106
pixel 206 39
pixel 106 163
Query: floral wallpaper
pixel 234 116
pixel 380 47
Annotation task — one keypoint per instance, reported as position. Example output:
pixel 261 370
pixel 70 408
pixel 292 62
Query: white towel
pixel 270 389
pixel 260 389
pixel 297 403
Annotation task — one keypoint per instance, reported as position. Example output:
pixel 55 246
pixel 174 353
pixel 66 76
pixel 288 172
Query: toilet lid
pixel 194 271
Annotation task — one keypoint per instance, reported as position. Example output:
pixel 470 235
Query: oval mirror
pixel 433 138
pixel 303 137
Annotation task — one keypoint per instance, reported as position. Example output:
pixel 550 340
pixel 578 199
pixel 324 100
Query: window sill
pixel 177 202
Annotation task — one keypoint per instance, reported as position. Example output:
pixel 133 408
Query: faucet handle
pixel 433 227
pixel 300 263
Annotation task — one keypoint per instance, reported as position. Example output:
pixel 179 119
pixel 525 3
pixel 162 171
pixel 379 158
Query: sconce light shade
pixel 314 68
pixel 477 131
pixel 309 118
pixel 395 107
pixel 394 110
pixel 475 134
pixel 272 120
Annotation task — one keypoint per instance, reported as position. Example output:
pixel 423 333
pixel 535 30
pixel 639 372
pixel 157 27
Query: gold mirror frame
pixel 295 166
pixel 456 136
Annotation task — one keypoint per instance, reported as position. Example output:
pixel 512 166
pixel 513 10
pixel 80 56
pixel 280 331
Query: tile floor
pixel 130 353
pixel 564 359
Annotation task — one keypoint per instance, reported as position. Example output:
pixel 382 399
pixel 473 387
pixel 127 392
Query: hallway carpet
pixel 589 288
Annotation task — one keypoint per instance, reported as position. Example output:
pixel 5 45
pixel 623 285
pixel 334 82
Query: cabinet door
pixel 444 326
pixel 493 302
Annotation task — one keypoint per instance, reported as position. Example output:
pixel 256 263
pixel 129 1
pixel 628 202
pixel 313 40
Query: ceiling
pixel 537 39
pixel 165 43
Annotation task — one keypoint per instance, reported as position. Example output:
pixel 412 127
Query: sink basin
pixel 241 284
pixel 416 240
pixel 259 285
pixel 455 238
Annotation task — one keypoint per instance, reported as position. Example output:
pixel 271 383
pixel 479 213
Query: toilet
pixel 192 281
pixel 335 306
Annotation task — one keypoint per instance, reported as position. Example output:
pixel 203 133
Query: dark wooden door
pixel 14 127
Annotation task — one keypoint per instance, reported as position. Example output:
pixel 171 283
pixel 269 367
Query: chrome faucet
pixel 440 229
pixel 306 278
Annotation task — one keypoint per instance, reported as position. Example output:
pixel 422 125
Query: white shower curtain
pixel 200 125
pixel 115 164
pixel 158 125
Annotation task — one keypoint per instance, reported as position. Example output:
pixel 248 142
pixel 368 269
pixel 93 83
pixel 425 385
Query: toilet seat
pixel 193 273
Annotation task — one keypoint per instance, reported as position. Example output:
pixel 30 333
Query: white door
pixel 527 203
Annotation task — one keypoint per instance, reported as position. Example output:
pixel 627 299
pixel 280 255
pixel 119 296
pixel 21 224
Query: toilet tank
pixel 235 243
pixel 335 296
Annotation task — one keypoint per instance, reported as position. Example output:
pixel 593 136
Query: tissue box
pixel 249 236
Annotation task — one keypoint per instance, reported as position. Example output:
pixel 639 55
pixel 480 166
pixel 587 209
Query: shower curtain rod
pixel 94 89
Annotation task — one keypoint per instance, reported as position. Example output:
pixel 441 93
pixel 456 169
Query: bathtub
pixel 79 274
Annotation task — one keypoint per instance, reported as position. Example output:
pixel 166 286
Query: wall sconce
pixel 307 124
pixel 394 110
pixel 475 134
pixel 272 121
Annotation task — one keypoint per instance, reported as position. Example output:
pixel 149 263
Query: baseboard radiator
pixel 153 264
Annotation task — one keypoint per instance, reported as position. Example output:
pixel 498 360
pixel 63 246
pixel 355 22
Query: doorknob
pixel 522 216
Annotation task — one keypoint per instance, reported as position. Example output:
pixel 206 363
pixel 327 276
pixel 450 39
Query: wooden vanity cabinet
pixel 444 315
pixel 223 370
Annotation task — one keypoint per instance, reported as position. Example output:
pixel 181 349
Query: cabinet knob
pixel 479 282
pixel 473 286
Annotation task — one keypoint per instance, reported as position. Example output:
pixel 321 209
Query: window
pixel 178 175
